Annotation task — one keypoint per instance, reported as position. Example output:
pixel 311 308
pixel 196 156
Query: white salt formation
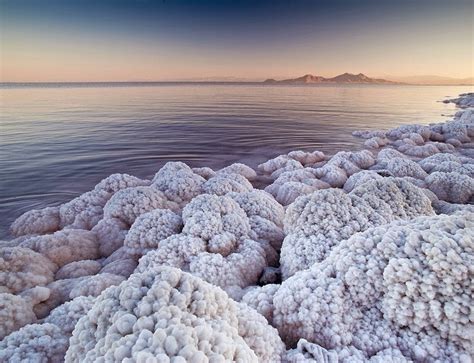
pixel 362 256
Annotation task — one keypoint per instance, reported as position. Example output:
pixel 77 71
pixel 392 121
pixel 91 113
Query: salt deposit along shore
pixel 363 256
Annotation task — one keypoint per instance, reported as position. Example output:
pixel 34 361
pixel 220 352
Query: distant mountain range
pixel 432 80
pixel 342 78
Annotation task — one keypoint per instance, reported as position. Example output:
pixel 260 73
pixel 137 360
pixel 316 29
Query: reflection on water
pixel 57 142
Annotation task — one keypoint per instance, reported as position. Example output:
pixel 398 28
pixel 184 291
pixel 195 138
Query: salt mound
pixel 361 256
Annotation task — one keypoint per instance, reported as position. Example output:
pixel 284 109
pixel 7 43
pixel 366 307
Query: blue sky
pixel 164 40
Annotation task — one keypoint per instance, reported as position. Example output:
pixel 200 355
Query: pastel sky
pixel 127 40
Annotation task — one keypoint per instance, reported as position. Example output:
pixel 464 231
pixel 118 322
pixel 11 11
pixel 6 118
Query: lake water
pixel 58 141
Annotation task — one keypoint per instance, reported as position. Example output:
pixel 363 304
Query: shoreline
pixel 362 255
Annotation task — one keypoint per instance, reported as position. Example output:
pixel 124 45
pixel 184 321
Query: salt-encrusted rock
pixel 123 267
pixel 150 228
pixel 404 199
pixel 449 166
pixel 294 160
pixel 226 182
pixel 360 178
pixel 401 167
pixel 260 298
pixel 315 223
pixel 287 193
pixel 91 203
pixel 205 172
pixel 264 213
pixel 342 165
pixel 63 247
pixel 128 204
pixel 451 187
pixel 48 341
pixel 239 269
pixel 385 155
pixel 78 269
pixel 442 207
pixel 15 312
pixel 292 184
pixel 376 142
pixel 36 221
pixel 168 314
pixel 368 134
pixel 115 182
pixel 92 200
pixel 306 352
pixel 465 100
pixel 241 169
pixel 22 268
pixel 178 183
pixel 404 286
pixel 34 343
pixel 307 158
pixel 280 162
pixel 110 234
pixel 209 215
pixel 94 285
pixel 66 315
pixel 59 291
pixel 175 251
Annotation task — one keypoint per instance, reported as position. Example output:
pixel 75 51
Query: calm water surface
pixel 59 141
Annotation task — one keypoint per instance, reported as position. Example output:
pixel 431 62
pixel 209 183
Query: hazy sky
pixel 104 40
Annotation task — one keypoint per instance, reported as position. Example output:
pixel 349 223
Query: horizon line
pixel 227 82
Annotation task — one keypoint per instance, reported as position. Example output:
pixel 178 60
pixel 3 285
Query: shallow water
pixel 58 141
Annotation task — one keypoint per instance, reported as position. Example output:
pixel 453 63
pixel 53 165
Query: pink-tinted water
pixel 58 141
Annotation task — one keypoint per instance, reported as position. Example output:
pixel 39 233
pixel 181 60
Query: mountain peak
pixel 342 78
